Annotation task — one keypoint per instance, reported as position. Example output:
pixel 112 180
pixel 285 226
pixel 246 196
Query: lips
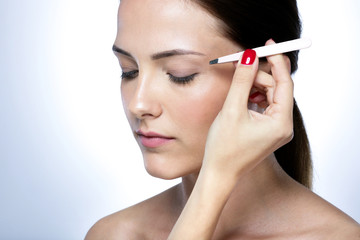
pixel 152 139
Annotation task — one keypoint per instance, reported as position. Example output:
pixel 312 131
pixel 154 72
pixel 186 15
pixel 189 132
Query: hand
pixel 240 138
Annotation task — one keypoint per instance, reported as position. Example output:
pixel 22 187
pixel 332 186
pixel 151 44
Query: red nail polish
pixel 257 97
pixel 254 95
pixel 248 57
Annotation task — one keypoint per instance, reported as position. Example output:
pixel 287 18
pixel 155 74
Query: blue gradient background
pixel 65 155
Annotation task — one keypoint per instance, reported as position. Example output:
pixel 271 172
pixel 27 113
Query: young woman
pixel 232 132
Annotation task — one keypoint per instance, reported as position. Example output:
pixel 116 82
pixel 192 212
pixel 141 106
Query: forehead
pixel 155 25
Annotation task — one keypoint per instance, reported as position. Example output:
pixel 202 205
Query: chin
pixel 168 168
pixel 162 171
pixel 163 175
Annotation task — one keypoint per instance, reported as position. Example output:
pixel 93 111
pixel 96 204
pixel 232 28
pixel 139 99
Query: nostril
pixel 145 108
pixel 143 97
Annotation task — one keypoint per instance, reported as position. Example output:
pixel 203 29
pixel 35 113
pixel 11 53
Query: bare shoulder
pixel 150 219
pixel 342 226
pixel 351 231
pixel 329 222
pixel 114 226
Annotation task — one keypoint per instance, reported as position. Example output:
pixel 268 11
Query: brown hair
pixel 250 23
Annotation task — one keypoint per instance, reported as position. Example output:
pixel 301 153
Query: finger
pixel 265 83
pixel 242 82
pixel 284 86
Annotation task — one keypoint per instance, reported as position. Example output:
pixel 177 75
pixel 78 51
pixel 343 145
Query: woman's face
pixel 168 87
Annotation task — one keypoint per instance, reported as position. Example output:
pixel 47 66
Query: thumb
pixel 242 82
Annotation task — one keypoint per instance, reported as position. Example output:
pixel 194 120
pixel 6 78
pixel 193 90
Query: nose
pixel 145 100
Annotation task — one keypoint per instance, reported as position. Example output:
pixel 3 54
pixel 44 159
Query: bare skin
pixel 282 210
pixel 227 191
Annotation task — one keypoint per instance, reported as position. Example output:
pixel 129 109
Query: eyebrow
pixel 164 54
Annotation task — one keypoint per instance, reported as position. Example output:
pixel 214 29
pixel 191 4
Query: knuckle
pixel 280 59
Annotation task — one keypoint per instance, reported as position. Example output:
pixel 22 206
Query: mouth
pixel 153 139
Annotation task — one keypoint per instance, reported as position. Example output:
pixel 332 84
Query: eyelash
pixel 182 80
pixel 179 80
pixel 129 75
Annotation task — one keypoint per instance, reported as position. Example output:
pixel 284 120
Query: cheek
pixel 203 109
pixel 198 109
pixel 205 102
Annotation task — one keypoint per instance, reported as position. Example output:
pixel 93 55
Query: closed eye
pixel 129 75
pixel 179 80
pixel 182 80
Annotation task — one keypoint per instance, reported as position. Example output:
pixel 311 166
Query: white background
pixel 65 155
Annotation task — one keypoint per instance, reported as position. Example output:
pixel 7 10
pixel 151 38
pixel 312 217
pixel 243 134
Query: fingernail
pixel 248 57
pixel 254 95
pixel 257 97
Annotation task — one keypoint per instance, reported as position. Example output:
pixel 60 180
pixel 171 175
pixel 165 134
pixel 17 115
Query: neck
pixel 254 198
